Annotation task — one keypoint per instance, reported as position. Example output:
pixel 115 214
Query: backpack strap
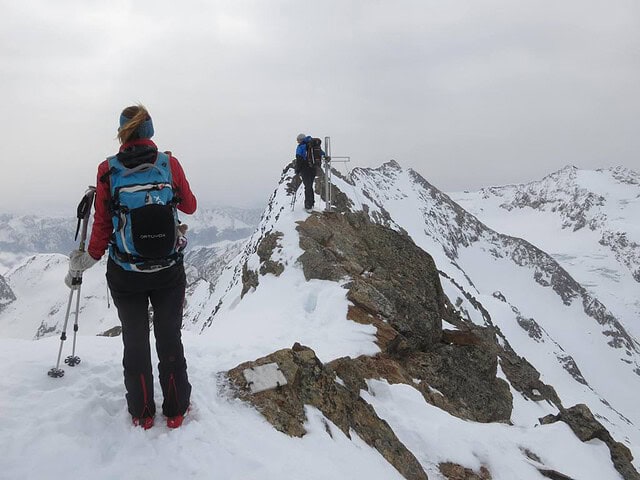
pixel 105 176
pixel 140 168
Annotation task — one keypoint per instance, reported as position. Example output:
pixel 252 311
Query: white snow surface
pixel 77 426
pixel 541 212
pixel 434 436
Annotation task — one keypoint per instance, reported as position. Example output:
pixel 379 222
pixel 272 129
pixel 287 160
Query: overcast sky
pixel 468 93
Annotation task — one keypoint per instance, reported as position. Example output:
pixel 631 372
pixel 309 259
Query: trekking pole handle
pixel 83 214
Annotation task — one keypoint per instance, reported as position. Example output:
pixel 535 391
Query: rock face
pixel 394 286
pixel 456 472
pixel 309 382
pixel 390 278
pixel 586 427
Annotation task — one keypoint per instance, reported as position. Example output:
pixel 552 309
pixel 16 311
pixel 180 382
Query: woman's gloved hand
pixel 79 261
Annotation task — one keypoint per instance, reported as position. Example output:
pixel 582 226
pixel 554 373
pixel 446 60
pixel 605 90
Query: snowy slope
pixel 547 317
pixel 42 298
pixel 78 427
pixel 587 220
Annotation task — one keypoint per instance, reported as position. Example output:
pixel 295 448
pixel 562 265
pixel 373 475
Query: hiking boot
pixel 144 422
pixel 175 422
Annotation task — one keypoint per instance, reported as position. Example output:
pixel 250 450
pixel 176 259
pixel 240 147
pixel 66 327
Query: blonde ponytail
pixel 136 115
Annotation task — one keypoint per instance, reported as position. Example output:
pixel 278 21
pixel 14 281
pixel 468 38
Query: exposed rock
pixel 395 286
pixel 265 250
pixel 454 471
pixel 466 376
pixel 390 277
pixel 249 279
pixel 586 428
pixel 339 201
pixel 309 382
pixel 6 294
pixel 545 471
pixel 459 337
pixel 525 378
pixel 458 379
pixel 112 332
pixel 553 474
pixel 521 374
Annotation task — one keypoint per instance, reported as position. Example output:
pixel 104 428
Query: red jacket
pixel 102 223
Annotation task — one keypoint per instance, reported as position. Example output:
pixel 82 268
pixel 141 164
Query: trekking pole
pixel 295 192
pixel 83 213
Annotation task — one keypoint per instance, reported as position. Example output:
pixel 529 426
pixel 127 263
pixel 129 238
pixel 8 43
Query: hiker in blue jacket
pixel 306 170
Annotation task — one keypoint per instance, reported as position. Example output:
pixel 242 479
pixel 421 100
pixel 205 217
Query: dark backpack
pixel 314 152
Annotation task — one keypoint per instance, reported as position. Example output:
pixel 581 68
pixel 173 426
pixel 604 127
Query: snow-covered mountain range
pixel 25 235
pixel 586 220
pixel 434 335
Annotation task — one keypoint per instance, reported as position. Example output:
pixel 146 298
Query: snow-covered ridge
pixel 262 302
pixel 521 289
pixel 449 225
pixel 587 220
pixel 582 198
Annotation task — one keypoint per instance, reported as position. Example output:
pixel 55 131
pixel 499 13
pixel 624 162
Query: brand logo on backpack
pixel 144 215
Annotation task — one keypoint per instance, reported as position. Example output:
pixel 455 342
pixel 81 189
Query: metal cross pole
pixel 328 158
pixel 83 214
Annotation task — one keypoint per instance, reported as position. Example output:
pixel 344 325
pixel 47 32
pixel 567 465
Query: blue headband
pixel 145 130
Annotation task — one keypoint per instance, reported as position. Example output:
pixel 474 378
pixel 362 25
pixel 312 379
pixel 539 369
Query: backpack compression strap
pixel 104 177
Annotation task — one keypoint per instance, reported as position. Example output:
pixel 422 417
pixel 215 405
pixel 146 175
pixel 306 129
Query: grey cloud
pixel 467 93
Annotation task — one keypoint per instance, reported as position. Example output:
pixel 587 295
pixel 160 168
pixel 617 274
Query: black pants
pixel 132 292
pixel 308 175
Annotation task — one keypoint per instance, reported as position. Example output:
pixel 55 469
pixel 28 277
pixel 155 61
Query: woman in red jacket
pixel 141 271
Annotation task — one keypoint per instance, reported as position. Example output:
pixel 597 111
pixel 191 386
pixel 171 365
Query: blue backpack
pixel 144 215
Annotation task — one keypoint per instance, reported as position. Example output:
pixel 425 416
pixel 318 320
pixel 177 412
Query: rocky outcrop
pixel 454 471
pixel 522 376
pixel 393 285
pixel 386 274
pixel 269 243
pixel 586 428
pixel 6 294
pixel 264 249
pixel 459 379
pixel 309 382
pixel 626 251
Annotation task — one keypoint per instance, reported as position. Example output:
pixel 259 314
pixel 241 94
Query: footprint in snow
pixel 311 302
